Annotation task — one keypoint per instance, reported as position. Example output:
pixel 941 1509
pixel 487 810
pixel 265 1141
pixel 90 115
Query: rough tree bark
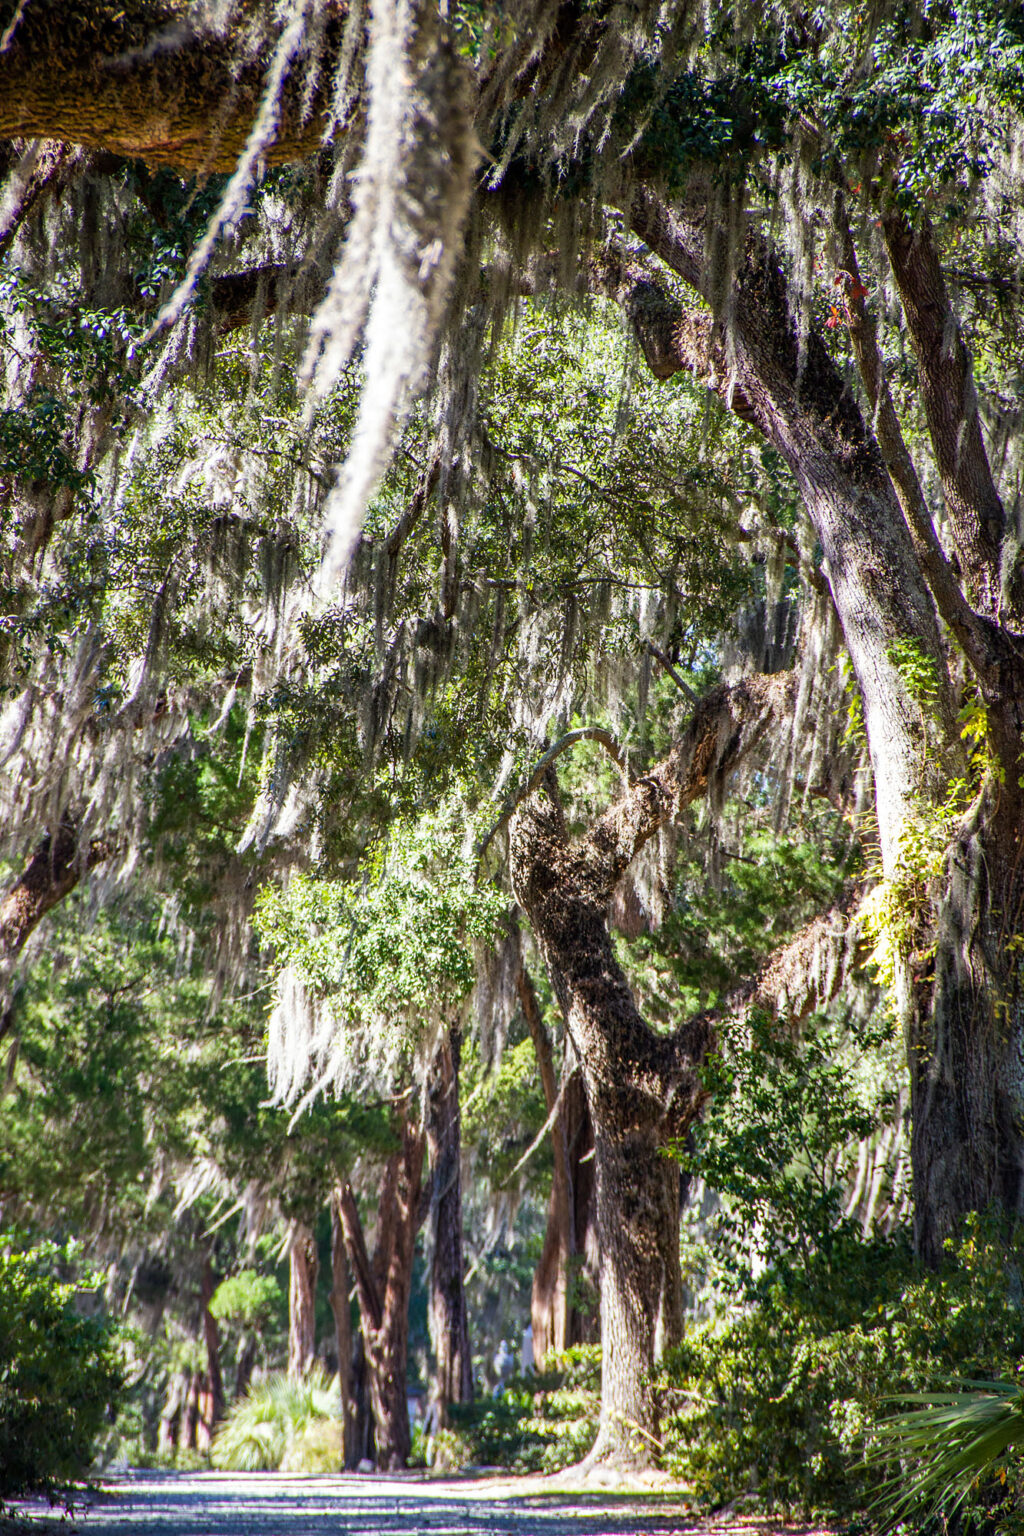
pixel 383 1285
pixel 51 873
pixel 155 80
pixel 303 1267
pixel 449 1322
pixel 642 1088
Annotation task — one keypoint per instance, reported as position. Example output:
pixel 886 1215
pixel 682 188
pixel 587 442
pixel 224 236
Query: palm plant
pixel 271 1420
pixel 953 1441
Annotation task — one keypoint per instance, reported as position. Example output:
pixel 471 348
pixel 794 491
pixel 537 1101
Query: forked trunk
pixel 303 1265
pixel 383 1287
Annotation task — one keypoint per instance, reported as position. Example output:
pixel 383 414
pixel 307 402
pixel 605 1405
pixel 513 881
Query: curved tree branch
pixel 157 80
pixel 570 739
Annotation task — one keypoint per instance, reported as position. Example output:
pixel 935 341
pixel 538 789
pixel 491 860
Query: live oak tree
pixel 816 216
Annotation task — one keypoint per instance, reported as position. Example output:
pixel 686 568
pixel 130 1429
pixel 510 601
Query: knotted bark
pixel 643 1089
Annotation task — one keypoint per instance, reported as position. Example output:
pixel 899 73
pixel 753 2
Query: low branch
pixel 51 873
pixel 725 726
pixel 156 80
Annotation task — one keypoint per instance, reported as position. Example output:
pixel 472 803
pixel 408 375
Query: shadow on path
pixel 268 1504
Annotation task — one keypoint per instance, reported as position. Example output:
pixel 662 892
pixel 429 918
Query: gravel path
pixel 267 1504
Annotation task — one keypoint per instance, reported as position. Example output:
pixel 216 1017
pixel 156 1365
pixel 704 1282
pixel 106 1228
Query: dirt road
pixel 266 1504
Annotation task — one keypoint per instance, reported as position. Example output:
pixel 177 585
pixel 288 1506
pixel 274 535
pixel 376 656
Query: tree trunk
pixel 246 1364
pixel 569 1255
pixel 642 1088
pixel 961 1010
pixel 211 1336
pixel 449 1324
pixel 638 1222
pixel 188 1429
pixel 383 1289
pixel 341 1286
pixel 303 1267
pixel 965 1042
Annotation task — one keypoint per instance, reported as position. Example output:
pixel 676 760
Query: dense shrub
pixel 59 1374
pixel 539 1423
pixel 781 1396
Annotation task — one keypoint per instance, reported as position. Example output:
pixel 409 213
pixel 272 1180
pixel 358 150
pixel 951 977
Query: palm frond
pixel 945 1447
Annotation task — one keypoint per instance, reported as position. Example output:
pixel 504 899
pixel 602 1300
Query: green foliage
pixel 283 1425
pixel 782 1396
pixel 60 1373
pixel 248 1298
pixel 957 1443
pixel 778 1136
pixel 536 1424
pixel 392 950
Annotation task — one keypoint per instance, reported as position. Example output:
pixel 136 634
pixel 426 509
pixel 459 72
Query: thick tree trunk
pixel 961 1011
pixel 638 1221
pixel 341 1286
pixel 449 1323
pixel 642 1088
pixel 383 1289
pixel 965 1043
pixel 303 1266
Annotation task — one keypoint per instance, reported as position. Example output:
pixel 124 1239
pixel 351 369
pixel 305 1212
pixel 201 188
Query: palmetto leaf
pixel 947 1445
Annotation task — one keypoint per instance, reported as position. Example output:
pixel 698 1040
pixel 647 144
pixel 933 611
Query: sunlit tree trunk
pixel 958 990
pixel 341 1286
pixel 211 1338
pixel 303 1267
pixel 383 1286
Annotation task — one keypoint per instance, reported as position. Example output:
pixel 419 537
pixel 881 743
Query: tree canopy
pixel 487 491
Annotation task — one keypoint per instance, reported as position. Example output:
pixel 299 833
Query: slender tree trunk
pixel 383 1287
pixel 556 1317
pixel 170 1419
pixel 246 1364
pixel 188 1429
pixel 341 1286
pixel 211 1336
pixel 303 1267
pixel 449 1324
